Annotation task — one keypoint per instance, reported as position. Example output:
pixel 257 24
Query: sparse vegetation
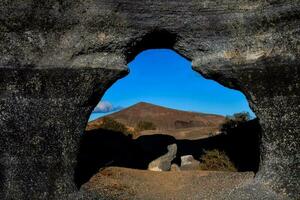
pixel 113 125
pixel 233 121
pixel 145 125
pixel 241 117
pixel 216 160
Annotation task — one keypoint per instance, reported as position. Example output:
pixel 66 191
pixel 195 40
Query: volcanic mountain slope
pixel 180 124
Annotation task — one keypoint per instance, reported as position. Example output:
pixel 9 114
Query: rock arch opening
pixel 57 58
pixel 124 131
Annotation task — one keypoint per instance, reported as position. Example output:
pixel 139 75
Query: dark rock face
pixel 58 57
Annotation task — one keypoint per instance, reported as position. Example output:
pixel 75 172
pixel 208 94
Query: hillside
pixel 180 124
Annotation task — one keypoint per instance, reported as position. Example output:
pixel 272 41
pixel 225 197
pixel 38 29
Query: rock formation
pixel 57 58
pixel 188 162
pixel 164 162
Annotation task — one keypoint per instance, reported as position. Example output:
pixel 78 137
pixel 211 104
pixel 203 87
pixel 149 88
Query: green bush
pixel 144 125
pixel 233 121
pixel 216 160
pixel 241 117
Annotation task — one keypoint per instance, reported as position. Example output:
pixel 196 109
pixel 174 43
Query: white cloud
pixel 105 107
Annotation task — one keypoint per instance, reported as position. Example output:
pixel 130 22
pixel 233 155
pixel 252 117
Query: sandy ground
pixel 194 133
pixel 116 183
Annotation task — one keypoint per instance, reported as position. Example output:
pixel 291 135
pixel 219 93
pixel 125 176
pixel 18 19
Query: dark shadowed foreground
pixel 102 148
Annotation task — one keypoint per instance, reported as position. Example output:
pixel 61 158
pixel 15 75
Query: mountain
pixel 180 124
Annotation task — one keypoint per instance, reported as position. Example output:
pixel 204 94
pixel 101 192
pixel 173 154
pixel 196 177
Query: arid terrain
pixel 116 151
pixel 131 184
pixel 176 123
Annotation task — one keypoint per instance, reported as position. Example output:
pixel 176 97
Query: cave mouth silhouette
pixel 103 148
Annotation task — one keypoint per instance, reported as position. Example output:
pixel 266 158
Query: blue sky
pixel 165 78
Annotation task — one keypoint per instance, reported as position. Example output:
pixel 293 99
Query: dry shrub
pixel 215 160
pixel 113 125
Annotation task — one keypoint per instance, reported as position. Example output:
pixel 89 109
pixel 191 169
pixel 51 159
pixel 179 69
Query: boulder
pixel 163 163
pixel 188 162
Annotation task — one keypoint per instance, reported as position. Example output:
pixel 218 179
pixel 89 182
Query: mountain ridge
pixel 178 123
pixel 143 103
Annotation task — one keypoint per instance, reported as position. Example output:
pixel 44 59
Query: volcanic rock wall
pixel 57 58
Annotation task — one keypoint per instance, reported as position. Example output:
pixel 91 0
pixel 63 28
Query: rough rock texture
pixel 58 57
pixel 188 162
pixel 163 163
